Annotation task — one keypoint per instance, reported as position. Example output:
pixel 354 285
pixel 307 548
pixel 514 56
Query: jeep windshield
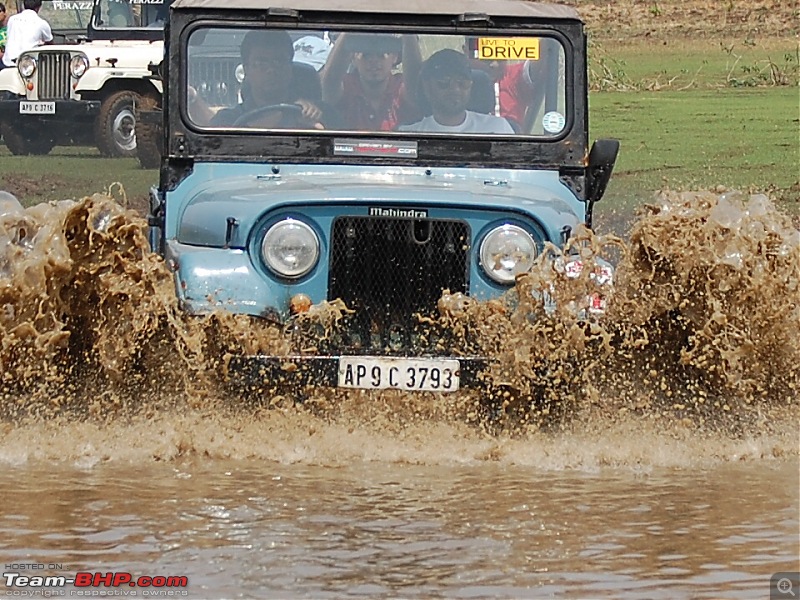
pixel 116 15
pixel 66 16
pixel 390 82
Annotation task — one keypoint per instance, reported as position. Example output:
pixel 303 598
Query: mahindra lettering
pixel 374 162
pixel 86 93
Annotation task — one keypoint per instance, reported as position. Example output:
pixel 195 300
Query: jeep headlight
pixel 26 65
pixel 290 248
pixel 507 251
pixel 78 65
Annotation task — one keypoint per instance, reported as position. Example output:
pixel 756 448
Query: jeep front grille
pixel 215 80
pixel 391 271
pixel 53 75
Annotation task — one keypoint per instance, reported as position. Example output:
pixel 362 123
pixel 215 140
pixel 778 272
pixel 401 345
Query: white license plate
pixel 37 108
pixel 409 374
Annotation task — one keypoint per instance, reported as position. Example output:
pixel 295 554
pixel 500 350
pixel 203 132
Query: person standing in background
pixel 3 31
pixel 26 30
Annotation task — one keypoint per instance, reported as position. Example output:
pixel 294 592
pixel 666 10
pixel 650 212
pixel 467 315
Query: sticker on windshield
pixel 344 147
pixel 553 122
pixel 508 48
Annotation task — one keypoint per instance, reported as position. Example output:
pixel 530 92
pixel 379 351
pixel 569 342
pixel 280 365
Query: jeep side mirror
pixel 156 70
pixel 602 157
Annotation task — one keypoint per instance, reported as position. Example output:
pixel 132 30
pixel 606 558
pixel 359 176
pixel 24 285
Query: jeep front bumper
pixel 409 374
pixel 18 109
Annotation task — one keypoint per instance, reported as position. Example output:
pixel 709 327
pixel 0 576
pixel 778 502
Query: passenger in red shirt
pixel 514 93
pixel 370 96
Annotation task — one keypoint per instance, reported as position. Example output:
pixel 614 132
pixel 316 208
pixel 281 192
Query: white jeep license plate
pixel 409 374
pixel 37 108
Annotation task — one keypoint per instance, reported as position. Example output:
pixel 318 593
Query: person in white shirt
pixel 26 30
pixel 446 79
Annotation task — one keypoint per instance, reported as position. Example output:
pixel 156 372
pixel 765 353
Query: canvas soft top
pixel 492 8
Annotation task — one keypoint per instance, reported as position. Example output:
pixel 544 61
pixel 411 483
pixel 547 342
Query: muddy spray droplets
pixel 699 335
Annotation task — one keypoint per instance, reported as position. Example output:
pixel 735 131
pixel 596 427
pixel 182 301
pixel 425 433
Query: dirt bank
pixel 690 18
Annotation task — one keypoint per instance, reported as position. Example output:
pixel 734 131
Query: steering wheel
pixel 294 111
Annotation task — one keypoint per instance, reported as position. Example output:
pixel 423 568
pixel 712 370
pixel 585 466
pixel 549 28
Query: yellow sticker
pixel 508 48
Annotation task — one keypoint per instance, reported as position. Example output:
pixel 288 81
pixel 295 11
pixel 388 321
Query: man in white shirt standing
pixel 446 79
pixel 26 30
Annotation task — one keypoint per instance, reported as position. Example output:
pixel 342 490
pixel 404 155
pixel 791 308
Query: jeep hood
pixel 128 54
pixel 205 213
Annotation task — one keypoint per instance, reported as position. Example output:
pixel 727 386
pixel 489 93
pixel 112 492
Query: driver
pixel 271 80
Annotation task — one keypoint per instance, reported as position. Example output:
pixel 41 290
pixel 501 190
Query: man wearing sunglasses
pixel 446 82
pixel 519 86
pixel 360 81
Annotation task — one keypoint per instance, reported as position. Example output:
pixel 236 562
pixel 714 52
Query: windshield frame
pixel 567 149
pixel 481 78
pixel 125 33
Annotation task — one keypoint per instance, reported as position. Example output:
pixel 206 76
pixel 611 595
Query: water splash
pixel 700 335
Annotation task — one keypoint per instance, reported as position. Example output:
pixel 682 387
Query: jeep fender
pixel 130 79
pixel 10 81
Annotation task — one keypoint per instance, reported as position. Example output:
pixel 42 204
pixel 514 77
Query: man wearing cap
pixel 446 80
pixel 371 96
pixel 519 86
pixel 272 85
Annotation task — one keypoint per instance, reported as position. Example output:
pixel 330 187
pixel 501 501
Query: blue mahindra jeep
pixel 375 157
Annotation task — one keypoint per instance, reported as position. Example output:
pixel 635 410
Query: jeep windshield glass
pixel 376 82
pixel 66 16
pixel 130 14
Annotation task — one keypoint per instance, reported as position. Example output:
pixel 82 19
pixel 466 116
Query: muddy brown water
pixel 662 460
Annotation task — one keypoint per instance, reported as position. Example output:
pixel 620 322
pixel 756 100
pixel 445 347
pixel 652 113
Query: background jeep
pixel 215 75
pixel 86 93
pixel 268 212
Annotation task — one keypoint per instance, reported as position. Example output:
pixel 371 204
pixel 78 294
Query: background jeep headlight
pixel 26 65
pixel 78 65
pixel 506 252
pixel 290 248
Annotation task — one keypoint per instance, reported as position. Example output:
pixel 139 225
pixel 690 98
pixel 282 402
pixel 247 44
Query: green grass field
pixel 736 62
pixel 738 138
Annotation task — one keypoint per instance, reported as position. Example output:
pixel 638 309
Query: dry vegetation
pixel 746 43
pixel 625 19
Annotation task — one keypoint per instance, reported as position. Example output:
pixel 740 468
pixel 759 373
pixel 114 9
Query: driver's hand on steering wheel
pixel 311 112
